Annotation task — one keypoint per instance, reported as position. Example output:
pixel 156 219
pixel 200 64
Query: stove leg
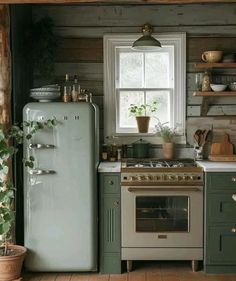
pixel 194 265
pixel 129 265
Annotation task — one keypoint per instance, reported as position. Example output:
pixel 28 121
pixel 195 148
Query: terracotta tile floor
pixel 142 271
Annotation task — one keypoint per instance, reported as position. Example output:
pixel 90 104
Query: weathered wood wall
pixel 81 28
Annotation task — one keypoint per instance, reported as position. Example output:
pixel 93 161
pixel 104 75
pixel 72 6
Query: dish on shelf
pixel 45 96
pixel 218 87
pixel 232 86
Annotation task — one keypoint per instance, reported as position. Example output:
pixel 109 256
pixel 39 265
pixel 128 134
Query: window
pixel 143 77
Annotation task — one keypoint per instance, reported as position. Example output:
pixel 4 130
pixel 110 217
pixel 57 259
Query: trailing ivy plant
pixel 9 141
pixel 33 127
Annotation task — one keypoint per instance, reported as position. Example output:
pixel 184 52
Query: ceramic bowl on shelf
pixel 45 96
pixel 218 87
pixel 232 86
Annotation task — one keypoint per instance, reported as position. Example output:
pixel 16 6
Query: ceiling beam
pixel 114 2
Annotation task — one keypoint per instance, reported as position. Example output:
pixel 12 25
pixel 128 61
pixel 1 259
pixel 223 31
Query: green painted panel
pixel 111 183
pixel 221 181
pixel 112 229
pixel 222 208
pixel 111 263
pixel 221 242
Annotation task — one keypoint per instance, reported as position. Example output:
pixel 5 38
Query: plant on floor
pixel 12 256
pixel 9 140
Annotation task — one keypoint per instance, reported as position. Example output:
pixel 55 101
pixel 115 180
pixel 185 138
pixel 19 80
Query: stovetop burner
pixel 158 163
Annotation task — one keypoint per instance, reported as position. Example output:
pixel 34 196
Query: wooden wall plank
pixel 98 32
pixel 115 2
pixel 196 46
pixel 136 16
pixel 80 50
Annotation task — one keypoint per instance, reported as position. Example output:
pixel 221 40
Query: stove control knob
pixel 183 178
pixel 187 178
pixel 179 178
pixel 133 178
pixel 149 177
pixel 171 177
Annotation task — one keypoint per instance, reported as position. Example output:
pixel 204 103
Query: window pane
pixel 131 70
pixel 126 99
pixel 163 106
pixel 157 70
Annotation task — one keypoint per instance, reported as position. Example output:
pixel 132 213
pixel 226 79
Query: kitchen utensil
pixel 140 149
pixel 212 56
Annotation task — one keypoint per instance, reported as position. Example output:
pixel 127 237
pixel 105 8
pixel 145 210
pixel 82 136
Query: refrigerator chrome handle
pixel 40 145
pixel 41 172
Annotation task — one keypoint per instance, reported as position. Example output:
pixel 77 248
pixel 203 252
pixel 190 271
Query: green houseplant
pixel 167 134
pixel 12 256
pixel 141 113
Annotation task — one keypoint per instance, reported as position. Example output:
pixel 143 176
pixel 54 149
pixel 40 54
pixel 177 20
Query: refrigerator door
pixel 60 192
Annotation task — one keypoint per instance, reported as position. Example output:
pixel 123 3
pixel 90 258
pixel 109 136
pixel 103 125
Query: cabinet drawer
pixel 111 183
pixel 220 245
pixel 221 181
pixel 222 207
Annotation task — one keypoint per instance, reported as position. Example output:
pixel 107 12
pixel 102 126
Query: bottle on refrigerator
pixel 67 91
pixel 75 89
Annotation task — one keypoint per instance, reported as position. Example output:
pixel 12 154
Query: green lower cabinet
pixel 220 223
pixel 221 245
pixel 110 225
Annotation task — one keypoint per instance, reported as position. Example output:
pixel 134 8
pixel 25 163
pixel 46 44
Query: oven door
pixel 162 216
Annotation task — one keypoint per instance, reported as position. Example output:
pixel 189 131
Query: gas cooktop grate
pixel 159 163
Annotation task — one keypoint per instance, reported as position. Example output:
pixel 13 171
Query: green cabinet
pixel 109 222
pixel 220 222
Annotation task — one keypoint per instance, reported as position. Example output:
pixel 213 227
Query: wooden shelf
pixel 215 94
pixel 208 65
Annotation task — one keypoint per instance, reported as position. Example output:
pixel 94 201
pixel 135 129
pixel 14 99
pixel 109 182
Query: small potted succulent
pixel 167 134
pixel 141 111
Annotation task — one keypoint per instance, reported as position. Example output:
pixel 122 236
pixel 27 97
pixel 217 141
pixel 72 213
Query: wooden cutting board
pixel 222 148
pixel 222 158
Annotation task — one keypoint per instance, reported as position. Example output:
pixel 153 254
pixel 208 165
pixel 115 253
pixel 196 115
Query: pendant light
pixel 146 42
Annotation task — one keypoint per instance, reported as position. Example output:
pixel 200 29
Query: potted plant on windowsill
pixel 140 111
pixel 167 134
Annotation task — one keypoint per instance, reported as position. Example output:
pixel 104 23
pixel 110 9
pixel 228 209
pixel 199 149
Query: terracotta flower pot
pixel 10 266
pixel 143 123
pixel 168 150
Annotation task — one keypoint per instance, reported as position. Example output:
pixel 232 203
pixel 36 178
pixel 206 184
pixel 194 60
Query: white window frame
pixel 110 42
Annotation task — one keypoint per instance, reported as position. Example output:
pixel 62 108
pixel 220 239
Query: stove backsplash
pixel 155 151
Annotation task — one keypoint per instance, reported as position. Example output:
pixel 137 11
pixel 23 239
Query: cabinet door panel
pixel 111 214
pixel 222 208
pixel 221 181
pixel 111 183
pixel 221 245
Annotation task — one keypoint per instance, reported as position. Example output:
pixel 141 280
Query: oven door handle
pixel 133 189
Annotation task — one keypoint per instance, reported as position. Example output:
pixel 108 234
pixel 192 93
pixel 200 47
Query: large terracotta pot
pixel 168 150
pixel 10 266
pixel 143 123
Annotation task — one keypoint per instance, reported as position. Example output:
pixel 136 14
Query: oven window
pixel 162 214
